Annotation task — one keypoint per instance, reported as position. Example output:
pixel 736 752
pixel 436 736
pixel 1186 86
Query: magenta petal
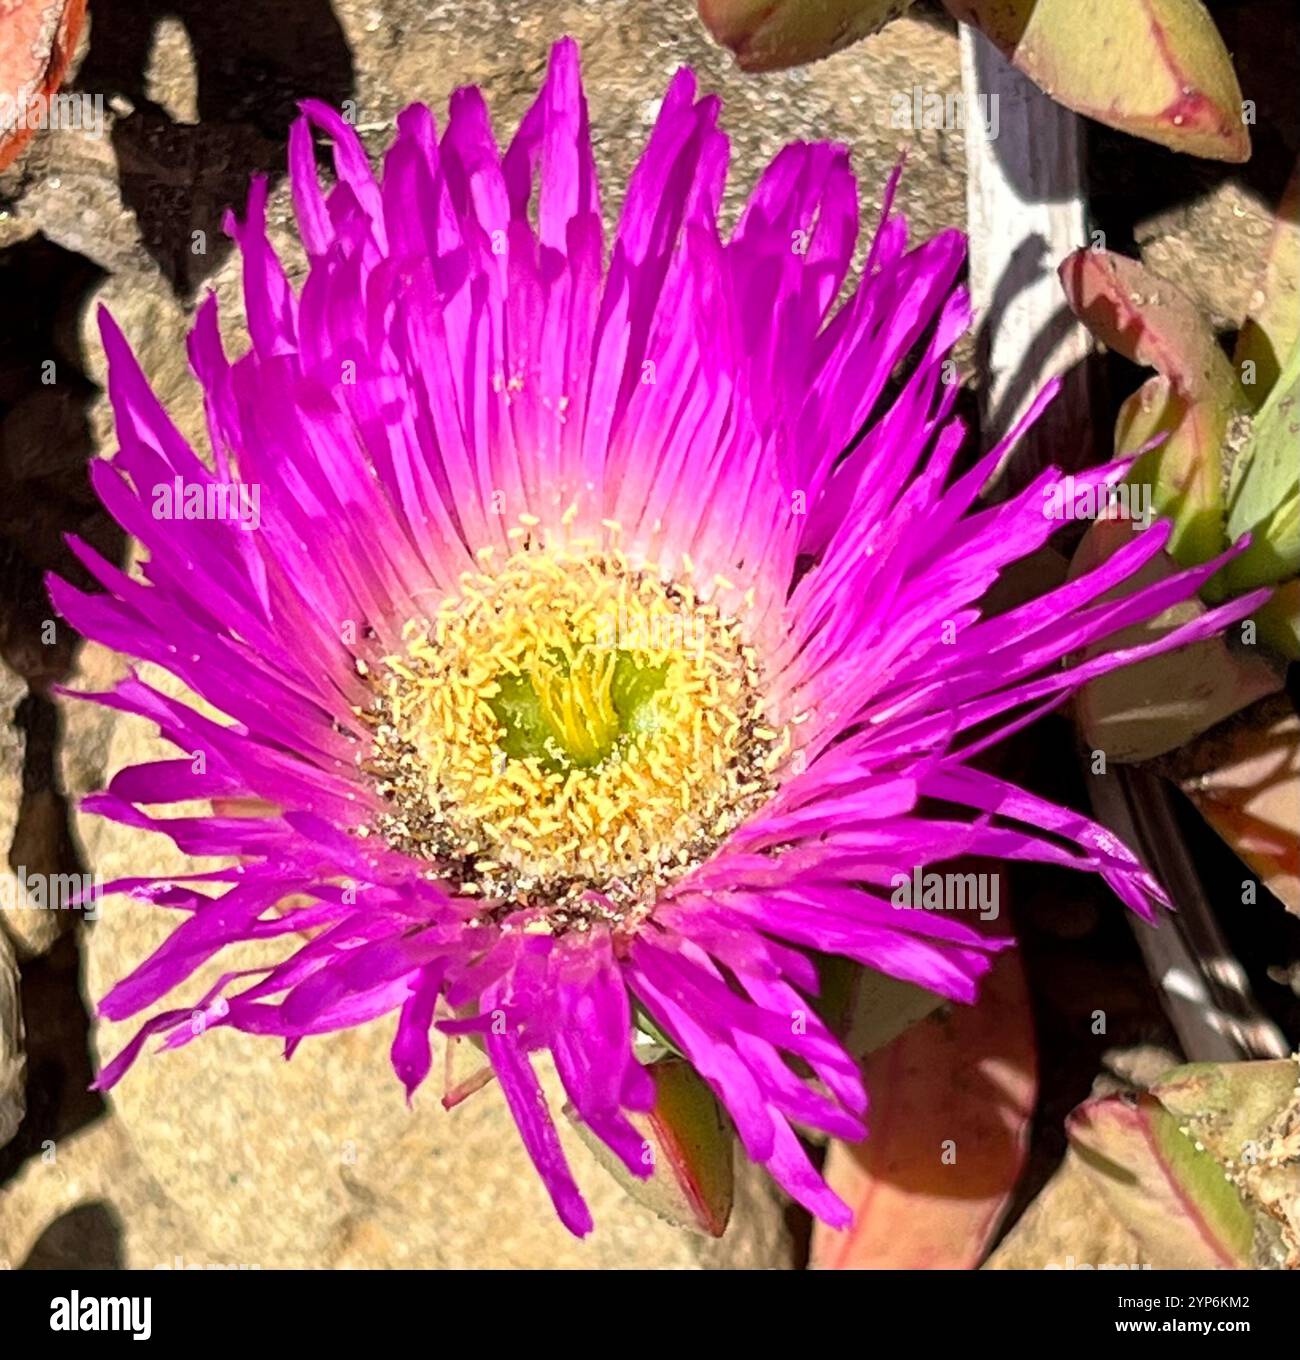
pixel 524 1096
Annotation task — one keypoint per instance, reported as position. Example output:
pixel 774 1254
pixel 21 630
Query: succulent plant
pixel 1244 778
pixel 1158 70
pixel 1229 429
pixel 1216 440
pixel 954 1094
pixel 691 1143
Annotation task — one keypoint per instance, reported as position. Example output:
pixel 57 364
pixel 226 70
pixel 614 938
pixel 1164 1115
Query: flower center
pixel 567 735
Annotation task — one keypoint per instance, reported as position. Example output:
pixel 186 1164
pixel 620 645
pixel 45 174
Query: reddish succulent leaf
pixel 774 34
pixel 1245 781
pixel 968 1076
pixel 1147 320
pixel 465 1069
pixel 1154 68
pixel 769 35
pixel 1150 322
pixel 37 40
pixel 244 807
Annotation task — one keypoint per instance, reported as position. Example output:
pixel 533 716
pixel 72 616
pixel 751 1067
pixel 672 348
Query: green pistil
pixel 572 713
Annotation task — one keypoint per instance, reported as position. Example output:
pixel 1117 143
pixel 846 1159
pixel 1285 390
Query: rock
pixel 1068 1227
pixel 1139 1065
pixel 36 854
pixel 88 728
pixel 156 326
pixel 164 165
pixel 13 1063
pixel 68 190
pixel 1211 249
pixel 850 97
pixel 29 831
pixel 34 766
pixel 12 692
pixel 87 1201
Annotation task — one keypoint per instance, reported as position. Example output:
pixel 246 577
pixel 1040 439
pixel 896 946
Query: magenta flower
pixel 599 636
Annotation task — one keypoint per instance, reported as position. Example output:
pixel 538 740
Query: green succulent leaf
pixel 1194 403
pixel 1273 326
pixel 1229 1107
pixel 1247 1116
pixel 867 1009
pixel 1279 620
pixel 1171 1195
pixel 1142 711
pixel 1264 497
pixel 690 1145
pixel 1153 68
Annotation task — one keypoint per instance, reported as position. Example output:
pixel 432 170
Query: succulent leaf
pixel 1273 325
pixel 770 37
pixel 689 1143
pixel 1151 323
pixel 1248 1116
pixel 1171 1195
pixel 1230 1107
pixel 1156 68
pixel 1165 701
pixel 1244 778
pixel 1264 498
pixel 1153 68
pixel 1279 620
pixel 867 1009
pixel 37 43
pixel 952 1098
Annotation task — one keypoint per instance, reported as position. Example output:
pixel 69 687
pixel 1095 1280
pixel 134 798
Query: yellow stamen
pixel 570 733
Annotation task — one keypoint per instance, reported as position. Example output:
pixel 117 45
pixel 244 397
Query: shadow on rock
pixel 252 63
pixel 88 1237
